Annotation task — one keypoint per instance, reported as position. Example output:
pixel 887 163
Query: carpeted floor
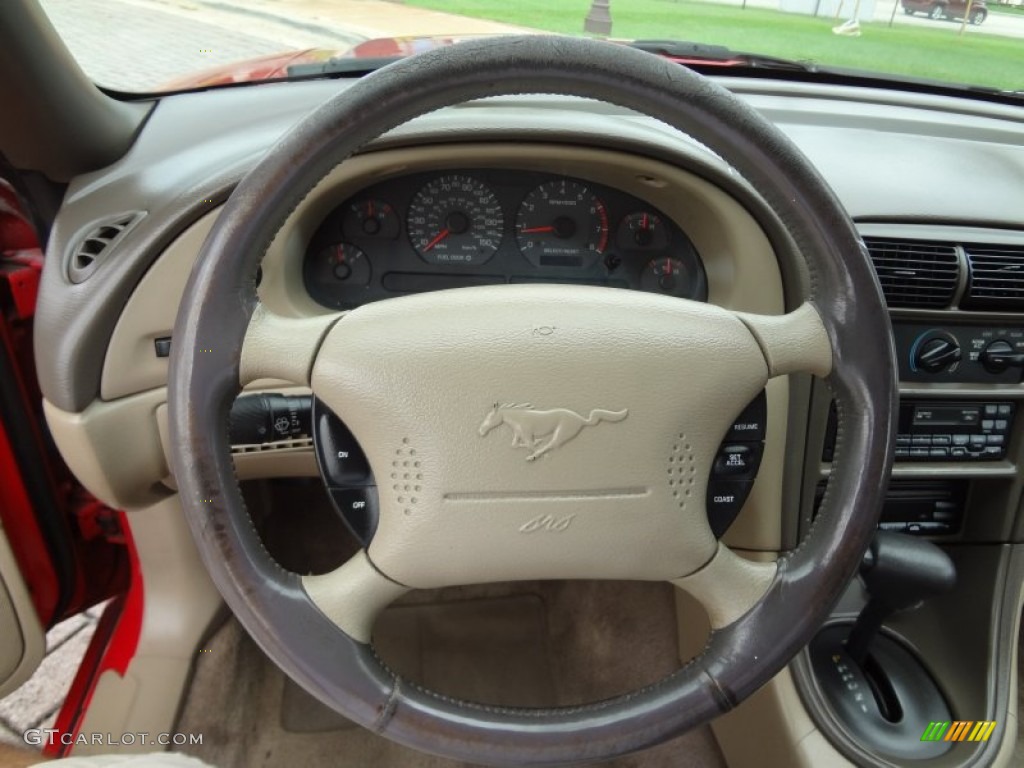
pixel 529 644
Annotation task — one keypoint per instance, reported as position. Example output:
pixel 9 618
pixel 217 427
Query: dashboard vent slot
pixel 996 277
pixel 915 274
pixel 98 242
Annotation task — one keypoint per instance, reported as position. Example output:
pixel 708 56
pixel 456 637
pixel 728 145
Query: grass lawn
pixel 938 53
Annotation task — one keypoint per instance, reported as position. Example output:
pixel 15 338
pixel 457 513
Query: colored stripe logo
pixel 959 730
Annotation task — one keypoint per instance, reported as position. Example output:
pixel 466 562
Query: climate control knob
pixel 937 354
pixel 1000 355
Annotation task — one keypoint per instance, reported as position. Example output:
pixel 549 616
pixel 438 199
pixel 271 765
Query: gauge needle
pixel 531 230
pixel 440 236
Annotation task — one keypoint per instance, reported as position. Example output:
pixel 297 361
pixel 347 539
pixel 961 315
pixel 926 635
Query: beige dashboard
pixel 118 445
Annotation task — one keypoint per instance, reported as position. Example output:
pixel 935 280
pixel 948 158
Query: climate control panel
pixel 959 353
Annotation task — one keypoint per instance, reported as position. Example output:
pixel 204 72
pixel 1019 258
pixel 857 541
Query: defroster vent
pixel 996 277
pixel 915 274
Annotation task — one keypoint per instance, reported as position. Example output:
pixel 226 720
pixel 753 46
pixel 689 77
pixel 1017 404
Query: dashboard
pixel 464 227
pixel 554 190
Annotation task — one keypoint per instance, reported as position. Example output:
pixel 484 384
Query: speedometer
pixel 455 220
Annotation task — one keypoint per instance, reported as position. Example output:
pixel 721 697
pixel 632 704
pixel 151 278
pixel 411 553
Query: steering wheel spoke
pixel 277 347
pixel 728 585
pixel 353 595
pixel 792 343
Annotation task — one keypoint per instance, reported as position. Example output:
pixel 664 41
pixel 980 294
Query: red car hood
pixel 275 65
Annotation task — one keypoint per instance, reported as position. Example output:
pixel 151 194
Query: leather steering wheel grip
pixel 220 299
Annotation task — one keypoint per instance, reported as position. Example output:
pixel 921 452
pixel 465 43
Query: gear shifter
pixel 899 572
pixel 877 687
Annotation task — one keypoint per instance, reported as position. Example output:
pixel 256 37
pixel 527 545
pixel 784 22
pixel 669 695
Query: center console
pixel 958 331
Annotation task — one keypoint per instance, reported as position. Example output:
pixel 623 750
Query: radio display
pixel 946 416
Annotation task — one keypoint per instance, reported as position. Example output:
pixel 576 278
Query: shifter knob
pixel 899 571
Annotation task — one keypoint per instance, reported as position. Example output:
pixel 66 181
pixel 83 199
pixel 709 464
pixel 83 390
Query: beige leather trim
pixel 114 448
pixel 793 343
pixel 180 604
pixel 602 475
pixel 728 586
pixel 353 595
pixel 131 364
pixel 22 642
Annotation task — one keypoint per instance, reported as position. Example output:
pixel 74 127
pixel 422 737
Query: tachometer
pixel 455 220
pixel 562 224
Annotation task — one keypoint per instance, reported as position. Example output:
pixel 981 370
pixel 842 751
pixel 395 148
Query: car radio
pixel 933 430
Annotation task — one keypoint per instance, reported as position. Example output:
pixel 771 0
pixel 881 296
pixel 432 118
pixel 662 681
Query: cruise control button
pixel 737 461
pixel 724 501
pixel 341 460
pixel 750 425
pixel 358 509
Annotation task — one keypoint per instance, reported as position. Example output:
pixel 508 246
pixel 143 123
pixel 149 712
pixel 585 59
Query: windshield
pixel 156 45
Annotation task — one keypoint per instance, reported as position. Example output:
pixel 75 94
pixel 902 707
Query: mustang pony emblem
pixel 543 431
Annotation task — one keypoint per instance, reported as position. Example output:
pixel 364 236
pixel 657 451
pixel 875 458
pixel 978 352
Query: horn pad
pixel 539 431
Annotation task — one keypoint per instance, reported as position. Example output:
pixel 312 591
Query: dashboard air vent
pixel 996 277
pixel 915 274
pixel 97 243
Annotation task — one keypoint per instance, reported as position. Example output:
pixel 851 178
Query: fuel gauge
pixel 667 276
pixel 642 230
pixel 370 218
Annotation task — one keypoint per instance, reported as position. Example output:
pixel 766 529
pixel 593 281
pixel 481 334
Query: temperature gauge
pixel 668 276
pixel 642 230
pixel 342 263
pixel 370 218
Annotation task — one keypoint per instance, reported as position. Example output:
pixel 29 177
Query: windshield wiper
pixel 721 55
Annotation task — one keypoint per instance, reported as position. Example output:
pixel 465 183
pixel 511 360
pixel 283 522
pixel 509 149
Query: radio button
pixel 959 453
pixel 903 440
pixel 919 453
pixel 977 440
pixel 941 439
pixel 902 453
pixel 961 439
pixel 991 410
pixel 1005 409
pixel 939 453
pixel 995 439
pixel 1001 425
pixel 988 424
pixel 922 440
pixel 993 452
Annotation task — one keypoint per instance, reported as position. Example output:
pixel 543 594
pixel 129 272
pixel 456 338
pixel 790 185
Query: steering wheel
pixel 416 378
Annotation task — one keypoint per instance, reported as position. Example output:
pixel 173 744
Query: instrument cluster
pixel 429 231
